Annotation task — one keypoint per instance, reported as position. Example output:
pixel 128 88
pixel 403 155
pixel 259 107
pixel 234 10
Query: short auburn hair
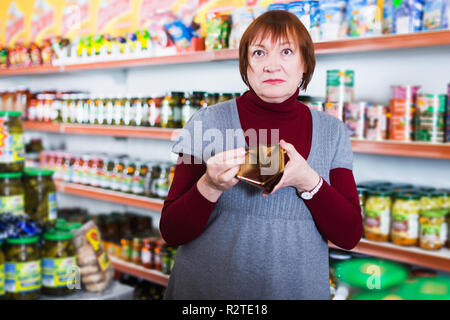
pixel 279 25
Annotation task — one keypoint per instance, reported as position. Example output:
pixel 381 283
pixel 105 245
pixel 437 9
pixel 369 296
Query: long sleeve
pixel 186 211
pixel 336 210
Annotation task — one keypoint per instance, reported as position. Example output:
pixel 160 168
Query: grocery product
pixel 136 251
pixel 430 118
pixel 241 18
pixel 355 118
pixel 377 220
pixel 12 147
pixel 95 267
pixel 371 274
pixel 40 195
pixel 161 185
pixel 217 32
pixel 340 86
pixel 12 194
pixel 58 263
pixel 405 219
pixel 402 104
pixel 376 123
pixel 408 16
pixel 434 14
pixel 2 272
pixel 425 288
pixel 22 268
pixel 333 19
pixel 431 221
pixel 364 18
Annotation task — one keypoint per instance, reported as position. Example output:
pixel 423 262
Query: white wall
pixel 375 72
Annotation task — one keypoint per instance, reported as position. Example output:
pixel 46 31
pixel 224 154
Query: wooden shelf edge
pixel 385 42
pixel 140 272
pixel 439 260
pixel 110 196
pixel 404 149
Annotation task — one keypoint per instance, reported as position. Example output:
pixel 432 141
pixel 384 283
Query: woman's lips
pixel 274 81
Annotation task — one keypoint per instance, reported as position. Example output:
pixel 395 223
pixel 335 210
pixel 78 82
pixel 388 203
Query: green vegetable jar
pixel 40 195
pixel 12 193
pixel 58 263
pixel 12 147
pixel 22 269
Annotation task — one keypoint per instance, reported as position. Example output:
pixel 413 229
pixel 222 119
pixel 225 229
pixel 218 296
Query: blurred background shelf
pixel 140 272
pixel 439 260
pixel 389 42
pixel 110 196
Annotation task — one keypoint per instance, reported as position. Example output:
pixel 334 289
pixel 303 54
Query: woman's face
pixel 275 69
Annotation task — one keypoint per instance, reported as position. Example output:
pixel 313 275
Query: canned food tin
pixel 430 118
pixel 354 118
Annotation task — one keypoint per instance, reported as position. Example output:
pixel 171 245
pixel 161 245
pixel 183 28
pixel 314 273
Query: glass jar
pixel 12 193
pixel 154 111
pixel 189 107
pixel 119 107
pixel 128 176
pixel 136 251
pixel 167 113
pixel 147 253
pixel 378 215
pixel 2 272
pixel 362 194
pixel 127 248
pixel 140 174
pixel 225 97
pixel 177 104
pixel 58 263
pixel 107 173
pixel 22 269
pixel 153 174
pixel 157 255
pixel 40 195
pixel 405 219
pixel 161 185
pixel 12 147
pixel 431 221
pixel 166 257
pixel 117 174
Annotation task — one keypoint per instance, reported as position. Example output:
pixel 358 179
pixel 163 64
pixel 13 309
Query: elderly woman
pixel 236 243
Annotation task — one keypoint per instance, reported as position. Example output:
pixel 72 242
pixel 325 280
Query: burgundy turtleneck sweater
pixel 335 208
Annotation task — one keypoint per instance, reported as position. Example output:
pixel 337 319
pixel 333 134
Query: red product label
pixel 41 22
pixel 14 26
pixel 75 15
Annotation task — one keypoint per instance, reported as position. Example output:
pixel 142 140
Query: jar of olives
pixel 12 147
pixel 161 185
pixel 405 219
pixel 58 263
pixel 167 113
pixel 40 195
pixel 22 269
pixel 139 177
pixel 362 194
pixel 377 218
pixel 12 193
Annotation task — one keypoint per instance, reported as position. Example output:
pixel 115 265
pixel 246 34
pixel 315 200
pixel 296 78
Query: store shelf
pixel 103 130
pixel 110 196
pixel 439 260
pixel 422 39
pixel 404 149
pixel 140 272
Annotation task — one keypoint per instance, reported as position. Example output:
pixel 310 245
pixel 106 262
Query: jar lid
pixel 35 172
pixel 434 213
pixel 408 195
pixel 14 175
pixel 23 240
pixel 433 194
pixel 10 113
pixel 357 272
pixel 381 192
pixel 362 190
pixel 426 288
pixel 58 235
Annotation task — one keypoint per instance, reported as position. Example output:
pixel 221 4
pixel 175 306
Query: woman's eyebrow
pixel 258 45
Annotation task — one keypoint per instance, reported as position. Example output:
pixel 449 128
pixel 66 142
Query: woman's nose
pixel 272 64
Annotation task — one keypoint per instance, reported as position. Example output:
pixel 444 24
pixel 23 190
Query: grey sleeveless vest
pixel 254 247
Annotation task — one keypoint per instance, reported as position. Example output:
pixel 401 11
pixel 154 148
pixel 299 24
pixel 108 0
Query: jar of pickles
pixel 362 194
pixel 405 219
pixel 431 221
pixel 12 147
pixel 161 185
pixel 40 195
pixel 166 256
pixel 58 263
pixel 12 193
pixel 22 269
pixel 2 272
pixel 139 177
pixel 377 218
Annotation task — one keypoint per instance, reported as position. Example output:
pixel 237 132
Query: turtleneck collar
pixel 283 110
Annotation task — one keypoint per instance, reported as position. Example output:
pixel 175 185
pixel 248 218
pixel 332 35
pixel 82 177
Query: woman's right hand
pixel 220 175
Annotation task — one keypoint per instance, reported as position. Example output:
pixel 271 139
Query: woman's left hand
pixel 297 172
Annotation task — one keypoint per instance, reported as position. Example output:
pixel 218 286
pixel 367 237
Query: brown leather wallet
pixel 263 167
